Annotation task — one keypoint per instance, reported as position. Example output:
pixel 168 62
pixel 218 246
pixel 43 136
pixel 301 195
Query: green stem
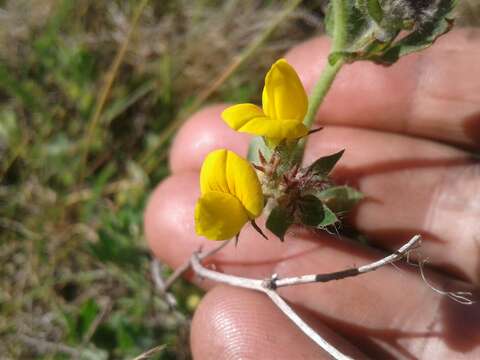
pixel 339 38
pixel 320 90
pixel 340 25
pixel 315 100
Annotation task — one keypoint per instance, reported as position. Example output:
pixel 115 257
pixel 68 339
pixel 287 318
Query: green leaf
pixel 370 8
pixel 313 212
pixel 369 29
pixel 424 36
pixel 78 325
pixel 329 219
pixel 340 199
pixel 375 10
pixel 325 164
pixel 88 313
pixel 279 221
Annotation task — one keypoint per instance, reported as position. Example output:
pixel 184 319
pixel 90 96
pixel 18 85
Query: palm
pixel 415 179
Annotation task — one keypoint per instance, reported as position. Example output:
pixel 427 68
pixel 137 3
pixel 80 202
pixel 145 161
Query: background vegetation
pixel 88 105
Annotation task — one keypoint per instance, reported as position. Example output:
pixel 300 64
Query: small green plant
pixel 374 30
pixel 232 193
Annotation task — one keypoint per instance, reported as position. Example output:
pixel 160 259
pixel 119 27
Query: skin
pixel 410 132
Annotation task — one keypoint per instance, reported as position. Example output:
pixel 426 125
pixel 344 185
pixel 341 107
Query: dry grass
pixel 75 279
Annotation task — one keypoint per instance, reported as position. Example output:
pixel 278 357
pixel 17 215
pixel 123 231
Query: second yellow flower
pixel 284 106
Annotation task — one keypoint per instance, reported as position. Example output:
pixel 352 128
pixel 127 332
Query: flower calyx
pixel 304 196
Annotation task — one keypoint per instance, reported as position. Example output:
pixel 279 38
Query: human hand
pixel 408 131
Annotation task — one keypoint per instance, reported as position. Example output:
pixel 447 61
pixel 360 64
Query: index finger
pixel 433 94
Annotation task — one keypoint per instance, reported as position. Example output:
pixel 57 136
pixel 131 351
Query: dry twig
pixel 107 87
pixel 149 353
pixel 186 266
pixel 269 286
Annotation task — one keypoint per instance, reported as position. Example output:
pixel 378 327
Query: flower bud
pixel 408 14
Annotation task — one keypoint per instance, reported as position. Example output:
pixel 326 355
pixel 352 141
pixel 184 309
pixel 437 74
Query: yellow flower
pixel 231 195
pixel 284 107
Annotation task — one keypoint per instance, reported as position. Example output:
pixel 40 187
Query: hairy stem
pixel 340 26
pixel 339 37
pixel 315 100
pixel 320 90
pixel 329 73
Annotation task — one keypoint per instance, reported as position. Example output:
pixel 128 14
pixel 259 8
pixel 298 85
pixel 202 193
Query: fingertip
pixel 168 220
pixel 204 132
pixel 233 323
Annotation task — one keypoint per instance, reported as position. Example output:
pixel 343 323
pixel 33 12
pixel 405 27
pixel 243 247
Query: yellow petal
pixel 219 216
pixel 275 128
pixel 283 94
pixel 238 115
pixel 244 184
pixel 249 118
pixel 226 172
pixel 212 173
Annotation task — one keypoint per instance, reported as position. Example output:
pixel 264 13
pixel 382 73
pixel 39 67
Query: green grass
pixel 75 277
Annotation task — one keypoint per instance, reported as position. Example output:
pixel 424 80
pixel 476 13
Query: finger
pixel 433 94
pixel 246 325
pixel 411 185
pixel 388 311
pixel 203 132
